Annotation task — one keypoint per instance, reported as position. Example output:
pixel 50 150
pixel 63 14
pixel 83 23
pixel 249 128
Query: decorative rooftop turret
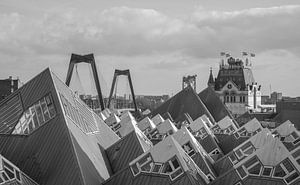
pixel 211 81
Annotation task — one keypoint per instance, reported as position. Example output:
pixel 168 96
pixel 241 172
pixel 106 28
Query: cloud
pixel 258 29
pixel 130 31
pixel 147 38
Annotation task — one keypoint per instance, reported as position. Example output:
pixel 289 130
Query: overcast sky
pixel 158 40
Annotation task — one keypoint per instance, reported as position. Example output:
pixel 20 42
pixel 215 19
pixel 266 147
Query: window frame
pixel 286 171
pixel 192 151
pixel 31 117
pixel 267 167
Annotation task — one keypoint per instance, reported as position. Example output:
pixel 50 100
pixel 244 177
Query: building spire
pixel 211 82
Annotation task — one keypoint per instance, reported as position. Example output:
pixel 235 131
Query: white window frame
pixel 15 170
pixel 237 161
pixel 191 149
pixel 297 157
pixel 160 168
pixel 202 133
pixel 245 170
pixel 254 164
pixel 262 171
pixel 243 151
pixel 287 173
pixel 210 176
pixel 174 170
pixel 139 166
pixel 217 149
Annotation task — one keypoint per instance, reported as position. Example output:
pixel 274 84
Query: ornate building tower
pixel 211 81
pixel 235 84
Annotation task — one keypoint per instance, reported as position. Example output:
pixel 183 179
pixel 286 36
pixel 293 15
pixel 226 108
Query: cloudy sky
pixel 158 40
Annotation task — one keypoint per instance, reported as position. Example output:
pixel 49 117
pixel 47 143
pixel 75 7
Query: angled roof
pixel 228 142
pixel 211 80
pixel 241 77
pixel 213 103
pixel 112 119
pixel 128 125
pixel 125 177
pixel 166 127
pixel 106 112
pixel 124 151
pixel 269 151
pixel 226 122
pixel 161 154
pixel 247 116
pixel 102 116
pixel 184 136
pixel 291 115
pixel 185 101
pixel 145 124
pixel 58 135
pixel 157 119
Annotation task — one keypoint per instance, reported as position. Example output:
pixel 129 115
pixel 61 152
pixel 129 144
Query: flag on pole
pixel 252 55
pixel 244 53
pixel 227 55
pixel 222 53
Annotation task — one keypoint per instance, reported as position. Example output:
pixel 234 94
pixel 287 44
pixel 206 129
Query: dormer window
pixel 296 155
pixel 286 171
pixel 172 168
pixel 233 159
pixel 189 149
pixel 144 164
pixel 9 172
pixel 245 150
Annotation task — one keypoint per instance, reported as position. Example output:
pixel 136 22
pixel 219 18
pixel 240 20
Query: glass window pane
pixel 33 117
pixel 236 135
pixel 51 110
pixel 30 127
pixel 246 145
pixel 48 99
pixel 5 164
pixel 249 151
pixel 279 172
pixel 39 113
pixel 175 163
pixel 26 131
pixel 167 168
pixel 296 141
pixel 292 177
pixel 156 168
pixel 239 154
pixel 241 172
pixel 250 162
pixel 147 167
pixel 233 158
pixel 135 169
pixel 5 176
pixel 10 174
pixel 298 161
pixel 287 164
pixel 45 111
pixel 295 135
pixel 267 171
pixel 255 170
pixel 144 159
pixel 18 175
pixel 176 174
